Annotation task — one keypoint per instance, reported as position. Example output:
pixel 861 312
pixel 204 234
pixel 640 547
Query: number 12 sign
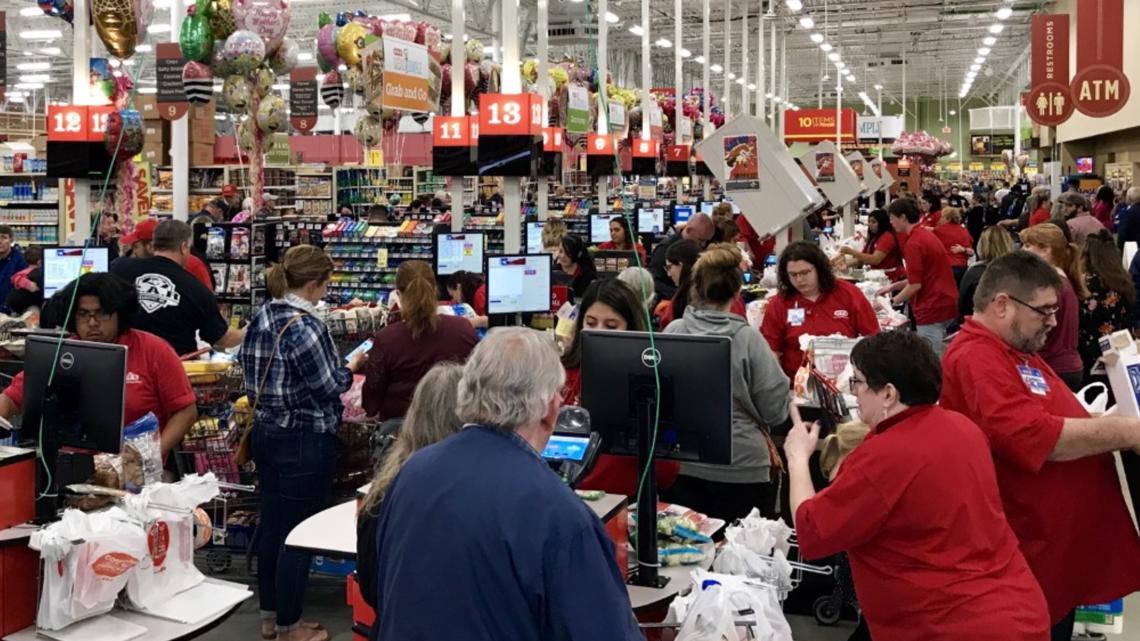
pixel 69 123
pixel 510 114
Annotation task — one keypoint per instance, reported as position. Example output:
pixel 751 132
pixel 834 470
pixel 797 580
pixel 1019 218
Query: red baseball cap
pixel 144 230
pixel 229 190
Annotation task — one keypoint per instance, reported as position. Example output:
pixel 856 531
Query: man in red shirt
pixel 1055 470
pixel 929 281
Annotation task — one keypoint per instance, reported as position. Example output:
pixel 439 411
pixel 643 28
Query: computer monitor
pixel 682 214
pixel 600 227
pixel 518 284
pixel 534 237
pixel 64 264
pixel 651 220
pixel 707 206
pixel 612 262
pixel 459 252
pixel 1084 165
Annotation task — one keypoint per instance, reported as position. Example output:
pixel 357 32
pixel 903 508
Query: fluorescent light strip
pixel 41 34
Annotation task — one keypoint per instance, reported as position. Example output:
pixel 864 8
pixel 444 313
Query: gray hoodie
pixel 759 395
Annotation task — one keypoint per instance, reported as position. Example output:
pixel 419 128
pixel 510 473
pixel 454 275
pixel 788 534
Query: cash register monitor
pixel 534 237
pixel 651 220
pixel 64 264
pixel 518 284
pixel 459 252
pixel 86 392
pixel 600 227
pixel 682 214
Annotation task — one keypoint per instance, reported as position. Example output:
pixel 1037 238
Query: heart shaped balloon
pixel 267 18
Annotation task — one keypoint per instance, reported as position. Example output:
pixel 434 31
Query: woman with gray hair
pixel 640 280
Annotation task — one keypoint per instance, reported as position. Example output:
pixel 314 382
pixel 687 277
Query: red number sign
pixel 67 123
pixel 552 139
pixel 510 115
pixel 645 148
pixel 97 122
pixel 599 145
pixel 452 131
pixel 677 153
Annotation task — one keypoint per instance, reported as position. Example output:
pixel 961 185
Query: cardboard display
pixel 881 173
pixel 832 173
pixel 871 181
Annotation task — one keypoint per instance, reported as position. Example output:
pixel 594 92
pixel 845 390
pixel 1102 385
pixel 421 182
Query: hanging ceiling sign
pixel 303 99
pixel 168 64
pixel 1049 102
pixel 1100 88
pixel 816 125
pixel 871 126
pixel 617 117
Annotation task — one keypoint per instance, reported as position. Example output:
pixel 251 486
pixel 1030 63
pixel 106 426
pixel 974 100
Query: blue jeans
pixel 934 334
pixel 295 469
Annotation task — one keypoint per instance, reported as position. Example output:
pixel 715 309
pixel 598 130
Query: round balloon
pixel 198 83
pixel 271 115
pixel 356 81
pixel 247 134
pixel 368 131
pixel 326 45
pixel 117 26
pixel 244 50
pixel 220 15
pixel 218 62
pixel 262 81
pixel 474 50
pixel 267 18
pixel 123 137
pixel 195 38
pixel 237 92
pixel 349 42
pixel 332 89
pixel 285 58
pixel 375 110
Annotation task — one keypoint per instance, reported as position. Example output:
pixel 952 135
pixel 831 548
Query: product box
pixel 156 132
pixel 1122 363
pixel 203 112
pixel 201 154
pixel 201 130
pixel 147 105
pixel 156 153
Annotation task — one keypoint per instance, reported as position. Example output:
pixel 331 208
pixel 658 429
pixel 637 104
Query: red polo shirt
pixel 156 381
pixel 931 219
pixel 952 234
pixel 1070 516
pixel 891 245
pixel 917 509
pixel 760 249
pixel 1039 216
pixel 844 310
pixel 928 264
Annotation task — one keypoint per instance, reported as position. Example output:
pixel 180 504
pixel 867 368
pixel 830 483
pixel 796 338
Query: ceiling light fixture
pixel 34 66
pixel 878 87
pixel 716 68
pixel 794 5
pixel 996 28
pixel 32 12
pixel 700 60
pixel 36 77
pixel 740 81
pixel 158 28
pixel 984 51
pixel 148 90
pixel 975 67
pixel 752 86
pixel 953 113
pixel 1004 13
pixel 833 56
pixel 731 76
pixel 816 37
pixel 825 47
pixel 989 41
pixel 29 85
pixel 851 78
pixel 143 49
pixel 43 34
pixel 685 53
pixel 612 17
pixel 636 30
pixel 664 43
pixel 979 60
pixel 806 22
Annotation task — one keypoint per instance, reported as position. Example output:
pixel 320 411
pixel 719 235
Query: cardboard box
pixel 147 104
pixel 156 132
pixel 203 112
pixel 1122 363
pixel 201 154
pixel 156 153
pixel 201 130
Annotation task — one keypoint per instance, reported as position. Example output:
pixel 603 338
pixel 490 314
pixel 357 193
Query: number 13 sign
pixel 510 114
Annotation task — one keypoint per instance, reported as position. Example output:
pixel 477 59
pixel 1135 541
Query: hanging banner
pixel 1049 102
pixel 577 110
pixel 3 53
pixel 816 125
pixel 684 130
pixel 303 99
pixel 143 204
pixel 1099 87
pixel 168 64
pixel 396 75
pixel 617 118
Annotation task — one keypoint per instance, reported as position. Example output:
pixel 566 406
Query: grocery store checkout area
pixel 83 410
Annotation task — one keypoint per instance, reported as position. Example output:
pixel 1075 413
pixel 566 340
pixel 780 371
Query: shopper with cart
pixel 1055 471
pixel 916 507
pixel 294 377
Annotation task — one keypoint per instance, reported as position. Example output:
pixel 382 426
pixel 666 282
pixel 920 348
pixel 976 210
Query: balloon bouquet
pixel 921 149
pixel 341 47
pixel 243 42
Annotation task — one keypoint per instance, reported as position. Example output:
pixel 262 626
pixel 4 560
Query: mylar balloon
pixel 267 18
pixel 237 92
pixel 356 81
pixel 117 26
pixel 198 83
pixel 143 11
pixel 262 81
pixel 285 58
pixel 326 45
pixel 323 19
pixel 332 89
pixel 474 50
pixel 195 38
pixel 368 131
pixel 221 18
pixel 271 115
pixel 218 62
pixel 349 42
pixel 247 134
pixel 244 50
pixel 123 137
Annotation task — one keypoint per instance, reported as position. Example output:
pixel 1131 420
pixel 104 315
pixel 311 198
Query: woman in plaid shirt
pixel 294 379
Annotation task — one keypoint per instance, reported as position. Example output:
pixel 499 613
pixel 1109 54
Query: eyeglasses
pixel 853 381
pixel 802 274
pixel 1044 312
pixel 85 315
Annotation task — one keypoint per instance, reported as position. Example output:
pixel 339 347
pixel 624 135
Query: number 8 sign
pixel 600 145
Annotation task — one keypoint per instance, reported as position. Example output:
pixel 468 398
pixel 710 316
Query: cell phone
pixel 361 348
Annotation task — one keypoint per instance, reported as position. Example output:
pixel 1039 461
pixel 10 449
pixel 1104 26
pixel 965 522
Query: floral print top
pixel 1102 313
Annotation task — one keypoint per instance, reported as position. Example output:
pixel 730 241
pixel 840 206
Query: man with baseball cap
pixel 225 208
pixel 141 243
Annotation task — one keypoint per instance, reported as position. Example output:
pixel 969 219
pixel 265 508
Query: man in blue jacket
pixel 11 261
pixel 1128 221
pixel 479 539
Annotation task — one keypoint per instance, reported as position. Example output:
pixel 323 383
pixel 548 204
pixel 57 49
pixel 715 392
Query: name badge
pixel 1033 380
pixel 796 316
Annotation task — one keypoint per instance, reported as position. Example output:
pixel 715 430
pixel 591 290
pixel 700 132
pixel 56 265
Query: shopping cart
pixel 233 523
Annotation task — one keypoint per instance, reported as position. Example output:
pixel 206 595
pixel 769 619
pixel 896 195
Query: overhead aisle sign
pixel 1049 102
pixel 1100 88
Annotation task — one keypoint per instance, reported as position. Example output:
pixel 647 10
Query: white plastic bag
pixel 1099 403
pixel 88 559
pixel 710 618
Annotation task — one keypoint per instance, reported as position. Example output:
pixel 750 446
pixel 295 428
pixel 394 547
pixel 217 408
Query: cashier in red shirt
pixel 956 239
pixel 812 301
pixel 1055 468
pixel 929 284
pixel 930 208
pixel 884 248
pixel 917 509
pixel 156 381
pixel 469 287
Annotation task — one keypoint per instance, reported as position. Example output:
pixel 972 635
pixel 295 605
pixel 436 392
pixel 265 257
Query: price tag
pixel 552 139
pixel 451 131
pixel 67 123
pixel 599 145
pixel 677 153
pixel 645 148
pixel 510 115
pixel 97 122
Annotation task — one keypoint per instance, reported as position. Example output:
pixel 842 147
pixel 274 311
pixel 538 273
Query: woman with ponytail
pixel 405 350
pixel 759 398
pixel 1061 351
pixel 294 379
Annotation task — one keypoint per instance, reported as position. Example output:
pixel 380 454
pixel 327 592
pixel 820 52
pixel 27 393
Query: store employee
pixel 105 306
pixel 1055 468
pixel 812 301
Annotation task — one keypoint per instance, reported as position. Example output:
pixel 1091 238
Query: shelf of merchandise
pixel 366 256
pixel 239 275
pixel 30 205
pixel 428 183
pixel 358 188
pixel 300 231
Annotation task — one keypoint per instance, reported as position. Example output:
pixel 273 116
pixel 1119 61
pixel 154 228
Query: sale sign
pixel 1100 88
pixel 510 114
pixel 303 99
pixel 816 125
pixel 451 131
pixel 168 64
